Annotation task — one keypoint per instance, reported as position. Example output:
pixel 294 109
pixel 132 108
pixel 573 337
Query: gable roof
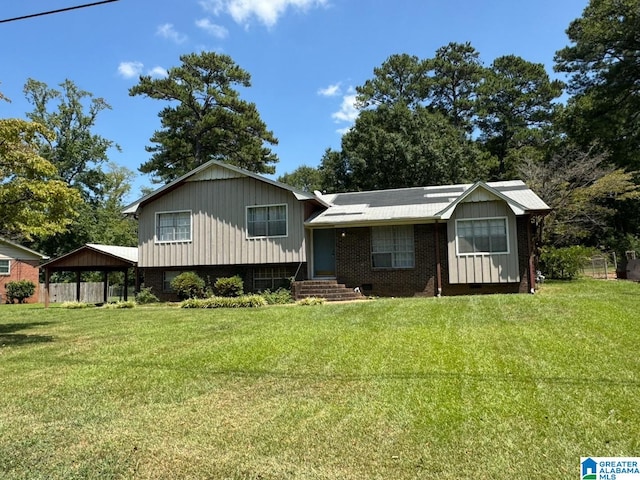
pixel 407 205
pixel 94 255
pixel 30 254
pixel 230 171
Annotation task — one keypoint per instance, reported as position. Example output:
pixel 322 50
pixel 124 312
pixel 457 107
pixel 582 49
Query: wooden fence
pixel 90 292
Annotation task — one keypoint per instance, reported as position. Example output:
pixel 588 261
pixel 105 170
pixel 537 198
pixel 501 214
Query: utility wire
pixel 56 11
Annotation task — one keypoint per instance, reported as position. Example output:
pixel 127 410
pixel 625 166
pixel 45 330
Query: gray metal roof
pixel 406 205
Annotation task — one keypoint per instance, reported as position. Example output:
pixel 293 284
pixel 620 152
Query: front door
pixel 324 253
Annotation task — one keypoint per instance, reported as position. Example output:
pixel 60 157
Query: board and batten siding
pixel 218 222
pixel 483 268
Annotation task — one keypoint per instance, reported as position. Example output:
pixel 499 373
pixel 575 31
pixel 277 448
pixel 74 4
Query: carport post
pixel 47 279
pixel 105 286
pixel 126 284
pixel 78 278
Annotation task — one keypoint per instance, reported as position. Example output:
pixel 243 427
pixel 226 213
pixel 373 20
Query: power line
pixel 57 11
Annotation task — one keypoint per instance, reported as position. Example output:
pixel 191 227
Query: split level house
pixel 219 220
pixel 18 263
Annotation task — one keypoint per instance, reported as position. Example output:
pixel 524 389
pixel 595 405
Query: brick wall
pixel 21 270
pixel 354 267
pixel 153 277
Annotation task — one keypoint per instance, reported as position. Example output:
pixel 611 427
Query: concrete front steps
pixel 330 290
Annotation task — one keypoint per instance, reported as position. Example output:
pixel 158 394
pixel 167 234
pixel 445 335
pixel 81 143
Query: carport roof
pixel 93 256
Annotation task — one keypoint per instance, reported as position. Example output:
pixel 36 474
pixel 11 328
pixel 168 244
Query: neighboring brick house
pixel 18 263
pixel 220 220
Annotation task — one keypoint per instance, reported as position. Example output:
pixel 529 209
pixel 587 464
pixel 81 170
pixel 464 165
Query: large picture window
pixel 267 221
pixel 482 236
pixel 5 267
pixel 392 247
pixel 173 226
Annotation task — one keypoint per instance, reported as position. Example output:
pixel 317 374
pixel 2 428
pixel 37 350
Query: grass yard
pixel 500 387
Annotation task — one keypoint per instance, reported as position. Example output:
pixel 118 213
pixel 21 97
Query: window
pixel 270 278
pixel 167 278
pixel 173 227
pixel 5 267
pixel 482 236
pixel 267 221
pixel 392 247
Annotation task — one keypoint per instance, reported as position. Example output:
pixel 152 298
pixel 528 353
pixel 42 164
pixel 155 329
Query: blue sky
pixel 304 56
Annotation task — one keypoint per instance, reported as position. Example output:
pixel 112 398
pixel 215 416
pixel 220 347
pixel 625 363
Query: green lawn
pixel 500 387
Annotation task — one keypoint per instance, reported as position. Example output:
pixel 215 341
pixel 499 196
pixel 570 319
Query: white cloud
pixel 330 91
pixel 266 12
pixel 348 111
pixel 167 31
pixel 343 131
pixel 130 69
pixel 217 31
pixel 158 72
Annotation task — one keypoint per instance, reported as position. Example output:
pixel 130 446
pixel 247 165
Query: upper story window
pixel 392 247
pixel 173 226
pixel 482 236
pixel 5 267
pixel 267 221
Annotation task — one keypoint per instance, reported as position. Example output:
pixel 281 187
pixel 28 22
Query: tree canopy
pixel 70 114
pixel 394 146
pixel 32 200
pixel 81 159
pixel 205 119
pixel 603 62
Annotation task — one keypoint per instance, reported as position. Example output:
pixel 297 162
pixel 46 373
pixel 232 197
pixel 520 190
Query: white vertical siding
pixel 8 251
pixel 219 225
pixel 483 268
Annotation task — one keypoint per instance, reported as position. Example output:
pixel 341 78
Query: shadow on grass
pixel 8 337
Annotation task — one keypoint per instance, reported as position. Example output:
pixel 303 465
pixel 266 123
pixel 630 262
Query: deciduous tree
pixel 33 201
pixel 304 178
pixel 395 146
pixel 71 114
pixel 584 192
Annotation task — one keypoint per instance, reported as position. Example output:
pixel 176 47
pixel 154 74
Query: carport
pixel 93 257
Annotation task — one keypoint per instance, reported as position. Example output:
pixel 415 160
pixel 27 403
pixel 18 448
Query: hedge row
pixel 243 301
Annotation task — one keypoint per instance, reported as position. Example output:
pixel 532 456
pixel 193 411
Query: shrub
pixel 310 301
pixel 145 296
pixel 20 290
pixel 279 297
pixel 76 305
pixel 564 263
pixel 127 304
pixel 188 285
pixel 243 301
pixel 229 286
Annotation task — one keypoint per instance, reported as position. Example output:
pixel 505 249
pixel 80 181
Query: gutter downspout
pixel 438 266
pixel 532 273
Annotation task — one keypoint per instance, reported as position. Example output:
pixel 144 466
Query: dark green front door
pixel 324 253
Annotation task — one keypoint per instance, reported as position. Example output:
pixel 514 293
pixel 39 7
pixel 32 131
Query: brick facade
pixel 21 270
pixel 354 267
pixel 153 277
